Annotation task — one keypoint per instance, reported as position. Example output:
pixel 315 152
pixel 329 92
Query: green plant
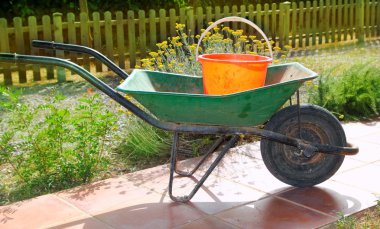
pixel 345 222
pixel 143 141
pixel 178 53
pixel 49 147
pixel 351 94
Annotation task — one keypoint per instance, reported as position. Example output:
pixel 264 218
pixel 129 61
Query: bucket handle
pixel 233 19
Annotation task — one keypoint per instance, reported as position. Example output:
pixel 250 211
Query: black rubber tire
pixel 290 166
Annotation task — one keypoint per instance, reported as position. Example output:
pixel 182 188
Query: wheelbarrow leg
pixel 212 149
pixel 186 198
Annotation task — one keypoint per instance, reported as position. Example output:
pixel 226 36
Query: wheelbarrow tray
pixel 179 98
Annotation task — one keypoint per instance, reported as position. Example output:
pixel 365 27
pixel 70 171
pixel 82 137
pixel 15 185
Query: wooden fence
pixel 126 37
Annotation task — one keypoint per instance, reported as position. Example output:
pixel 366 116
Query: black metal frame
pixel 308 148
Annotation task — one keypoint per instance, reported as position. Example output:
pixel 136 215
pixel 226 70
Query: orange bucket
pixel 225 73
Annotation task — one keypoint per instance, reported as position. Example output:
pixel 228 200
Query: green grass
pixel 369 219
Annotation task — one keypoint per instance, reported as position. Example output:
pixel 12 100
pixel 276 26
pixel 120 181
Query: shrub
pixel 50 147
pixel 351 94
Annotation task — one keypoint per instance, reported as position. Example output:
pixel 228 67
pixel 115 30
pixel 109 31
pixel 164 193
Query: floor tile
pixel 37 213
pixel 208 223
pixel 368 152
pixel 273 212
pixel 357 129
pixel 365 178
pixel 349 163
pixel 331 198
pixel 371 138
pixel 88 222
pixel 150 215
pixel 258 177
pixel 104 194
pixel 218 194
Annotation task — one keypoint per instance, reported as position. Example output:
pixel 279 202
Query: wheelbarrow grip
pixel 43 44
pixel 81 49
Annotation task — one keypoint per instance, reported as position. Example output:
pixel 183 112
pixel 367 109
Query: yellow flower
pixel 137 66
pixel 252 37
pixel 198 36
pixel 283 56
pixel 179 26
pixel 175 38
pixel 276 48
pixel 153 54
pixel 287 47
pixel 276 61
pixel 216 29
pixel 226 28
pixel 210 23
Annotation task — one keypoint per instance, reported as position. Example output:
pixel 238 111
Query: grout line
pixel 304 206
pixel 209 216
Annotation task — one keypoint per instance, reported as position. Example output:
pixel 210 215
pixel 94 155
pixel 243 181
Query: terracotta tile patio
pixel 240 193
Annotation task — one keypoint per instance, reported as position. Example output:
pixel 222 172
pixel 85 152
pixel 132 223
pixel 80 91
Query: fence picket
pixel 286 24
pixel 142 31
pixel 33 35
pixel 72 34
pixel 321 22
pixel 218 14
pixel 345 19
pixel 251 15
pixel 84 38
pixel 243 14
pixel 327 20
pixel 200 20
pixel 373 17
pixel 339 22
pixel 4 47
pixel 58 37
pixel 378 18
pixel 190 19
pixel 46 31
pixel 314 23
pixel 120 39
pixel 131 38
pixel 366 18
pixel 259 16
pixel 208 14
pixel 108 34
pixel 97 38
pixel 162 19
pixel 172 21
pixel 266 26
pixel 152 30
pixel 301 24
pixel 234 12
pixel 333 20
pixel 307 23
pixel 351 17
pixel 182 16
pixel 274 28
pixel 20 47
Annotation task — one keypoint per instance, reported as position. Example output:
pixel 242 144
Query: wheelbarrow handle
pixel 81 49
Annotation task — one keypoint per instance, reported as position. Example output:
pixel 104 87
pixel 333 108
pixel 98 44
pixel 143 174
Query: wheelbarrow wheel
pixel 287 163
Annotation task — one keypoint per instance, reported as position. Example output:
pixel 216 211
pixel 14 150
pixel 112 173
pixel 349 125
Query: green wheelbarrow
pixel 301 144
